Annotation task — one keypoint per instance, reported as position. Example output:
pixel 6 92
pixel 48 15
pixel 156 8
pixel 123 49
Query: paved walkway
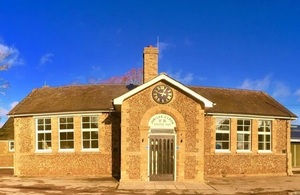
pixel 162 185
pixel 279 185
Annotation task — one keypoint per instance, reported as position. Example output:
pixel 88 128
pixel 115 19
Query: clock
pixel 162 94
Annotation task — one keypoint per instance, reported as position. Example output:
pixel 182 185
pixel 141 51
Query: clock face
pixel 162 94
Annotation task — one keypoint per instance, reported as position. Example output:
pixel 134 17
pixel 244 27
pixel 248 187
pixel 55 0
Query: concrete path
pixel 279 185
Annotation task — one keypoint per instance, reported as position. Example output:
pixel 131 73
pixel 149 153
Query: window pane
pixel 94 125
pixel 260 146
pixel 246 122
pixel 62 120
pixel 47 127
pixel 70 119
pixel 70 135
pixel 63 126
pixel 69 126
pixel 240 137
pixel 86 125
pixel 48 121
pixel 85 119
pixel 40 121
pixel 86 135
pixel 95 144
pixel 225 145
pixel 48 136
pixel 246 137
pixel 86 144
pixel 94 134
pixel 40 127
pixel 268 146
pixel 63 136
pixel 260 138
pixel 268 138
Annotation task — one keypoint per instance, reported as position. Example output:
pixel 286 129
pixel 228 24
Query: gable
pixel 162 77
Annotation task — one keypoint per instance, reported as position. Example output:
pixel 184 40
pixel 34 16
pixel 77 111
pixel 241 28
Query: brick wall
pixel 29 162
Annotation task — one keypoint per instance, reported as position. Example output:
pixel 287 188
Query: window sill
pixel 90 150
pixel 43 151
pixel 66 150
pixel 244 151
pixel 223 151
pixel 264 152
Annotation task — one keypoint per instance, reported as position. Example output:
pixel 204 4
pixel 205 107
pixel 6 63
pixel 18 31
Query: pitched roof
pixel 88 98
pixel 240 101
pixel 7 130
pixel 72 98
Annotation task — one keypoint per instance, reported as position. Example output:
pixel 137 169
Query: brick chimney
pixel 150 63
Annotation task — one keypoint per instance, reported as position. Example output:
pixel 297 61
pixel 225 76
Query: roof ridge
pixel 81 85
pixel 227 88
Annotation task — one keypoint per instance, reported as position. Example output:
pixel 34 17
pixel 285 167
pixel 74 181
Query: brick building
pixel 159 130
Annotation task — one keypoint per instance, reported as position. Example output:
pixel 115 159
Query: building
pixel 159 130
pixel 295 146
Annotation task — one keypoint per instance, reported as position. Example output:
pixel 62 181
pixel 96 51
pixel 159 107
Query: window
pixel 43 134
pixel 264 135
pixel 243 134
pixel 90 139
pixel 11 146
pixel 222 133
pixel 66 133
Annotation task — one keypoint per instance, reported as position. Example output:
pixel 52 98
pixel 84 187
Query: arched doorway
pixel 162 145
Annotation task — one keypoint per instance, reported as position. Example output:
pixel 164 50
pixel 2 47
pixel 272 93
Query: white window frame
pixel 90 130
pixel 243 133
pixel 11 145
pixel 222 131
pixel 67 130
pixel 44 131
pixel 264 133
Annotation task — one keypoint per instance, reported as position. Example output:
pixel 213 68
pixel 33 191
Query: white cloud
pixel 162 47
pixel 12 105
pixel 9 56
pixel 185 79
pixel 281 90
pixel 46 58
pixel 3 112
pixel 257 84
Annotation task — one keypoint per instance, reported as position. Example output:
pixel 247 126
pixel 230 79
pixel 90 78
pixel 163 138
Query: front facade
pixel 160 130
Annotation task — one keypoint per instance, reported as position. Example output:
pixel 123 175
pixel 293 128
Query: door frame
pixel 164 132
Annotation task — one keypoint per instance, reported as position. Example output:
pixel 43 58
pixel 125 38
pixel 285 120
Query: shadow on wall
pixel 114 119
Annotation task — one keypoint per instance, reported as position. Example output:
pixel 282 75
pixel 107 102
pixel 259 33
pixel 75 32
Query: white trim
pixel 119 100
pixel 37 132
pixel 90 130
pixel 249 116
pixel 295 140
pixel 48 114
pixel 65 131
pixel 6 167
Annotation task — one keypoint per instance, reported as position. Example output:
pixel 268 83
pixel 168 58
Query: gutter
pixel 61 113
pixel 250 116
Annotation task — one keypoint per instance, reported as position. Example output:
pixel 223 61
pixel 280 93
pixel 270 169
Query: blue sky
pixel 233 44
